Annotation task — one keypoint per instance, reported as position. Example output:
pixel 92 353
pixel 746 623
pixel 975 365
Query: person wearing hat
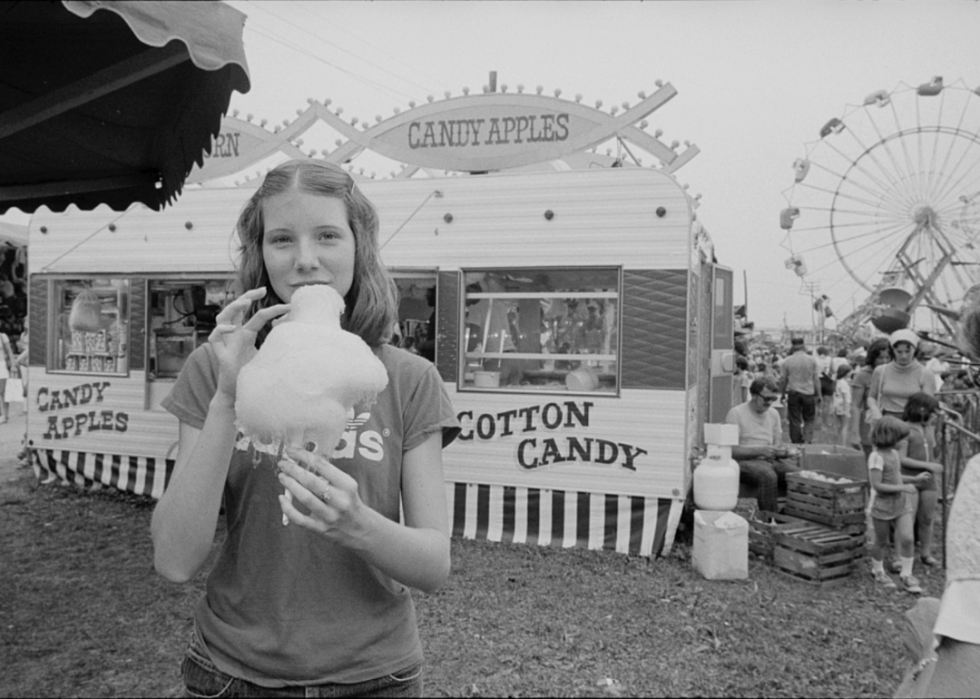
pixel 800 382
pixel 893 383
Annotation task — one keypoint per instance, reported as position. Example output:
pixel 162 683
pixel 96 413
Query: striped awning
pixel 111 102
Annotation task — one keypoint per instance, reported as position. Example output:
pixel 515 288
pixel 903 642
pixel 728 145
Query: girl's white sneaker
pixel 882 578
pixel 910 584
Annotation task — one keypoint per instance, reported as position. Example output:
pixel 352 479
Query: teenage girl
pixel 916 456
pixel 321 607
pixel 894 499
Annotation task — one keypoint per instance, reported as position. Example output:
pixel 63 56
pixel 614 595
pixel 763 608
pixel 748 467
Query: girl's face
pixel 307 240
pixel 904 353
pixel 883 358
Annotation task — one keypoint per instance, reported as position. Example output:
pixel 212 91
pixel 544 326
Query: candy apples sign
pixel 497 131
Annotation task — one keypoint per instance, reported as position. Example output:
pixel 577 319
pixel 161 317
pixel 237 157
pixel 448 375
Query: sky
pixel 756 81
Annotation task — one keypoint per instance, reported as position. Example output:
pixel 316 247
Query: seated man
pixel 762 459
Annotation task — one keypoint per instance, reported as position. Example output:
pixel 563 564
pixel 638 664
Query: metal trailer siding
pixel 652 421
pixel 598 218
pixel 111 420
pixel 607 217
pixel 195 235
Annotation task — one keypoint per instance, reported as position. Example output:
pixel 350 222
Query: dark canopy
pixel 111 102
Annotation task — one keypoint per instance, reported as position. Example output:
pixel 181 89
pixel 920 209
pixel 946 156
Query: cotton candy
pixel 300 385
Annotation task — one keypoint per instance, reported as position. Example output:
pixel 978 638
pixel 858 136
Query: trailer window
pixel 181 316
pixel 541 330
pixel 90 326
pixel 416 327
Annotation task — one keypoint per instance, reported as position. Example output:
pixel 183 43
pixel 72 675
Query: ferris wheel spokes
pixel 951 187
pixel 895 198
pixel 893 179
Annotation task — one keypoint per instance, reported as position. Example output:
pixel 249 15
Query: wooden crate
pixel 817 554
pixel 763 526
pixel 835 504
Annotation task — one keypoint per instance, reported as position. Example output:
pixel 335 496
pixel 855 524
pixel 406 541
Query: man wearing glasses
pixel 762 458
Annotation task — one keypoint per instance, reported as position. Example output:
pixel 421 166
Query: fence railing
pixel 957 435
pixel 957 439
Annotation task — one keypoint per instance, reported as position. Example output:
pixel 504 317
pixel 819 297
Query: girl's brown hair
pixel 888 432
pixel 919 408
pixel 371 306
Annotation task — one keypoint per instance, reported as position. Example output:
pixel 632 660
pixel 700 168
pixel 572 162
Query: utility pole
pixel 745 291
pixel 816 323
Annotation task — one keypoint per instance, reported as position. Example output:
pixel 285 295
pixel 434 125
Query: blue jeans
pixel 766 477
pixel 801 413
pixel 203 679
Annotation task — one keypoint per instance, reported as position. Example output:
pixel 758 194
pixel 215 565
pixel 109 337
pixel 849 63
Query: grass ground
pixel 82 613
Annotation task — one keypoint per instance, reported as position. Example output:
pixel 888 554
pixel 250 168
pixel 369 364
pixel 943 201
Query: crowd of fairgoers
pixel 838 366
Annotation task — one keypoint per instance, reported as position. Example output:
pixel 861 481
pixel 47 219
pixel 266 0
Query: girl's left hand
pixel 330 495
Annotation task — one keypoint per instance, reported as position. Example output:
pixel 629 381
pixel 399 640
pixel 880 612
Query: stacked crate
pixel 821 539
pixel 763 528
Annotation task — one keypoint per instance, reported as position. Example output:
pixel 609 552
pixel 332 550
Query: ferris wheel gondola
pixel 889 197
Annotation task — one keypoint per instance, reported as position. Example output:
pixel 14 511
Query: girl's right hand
pixel 233 340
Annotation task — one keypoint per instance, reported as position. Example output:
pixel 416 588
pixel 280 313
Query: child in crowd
pixel 894 500
pixel 743 376
pixel 842 402
pixel 917 456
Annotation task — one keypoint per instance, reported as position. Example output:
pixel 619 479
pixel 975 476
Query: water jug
pixel 716 480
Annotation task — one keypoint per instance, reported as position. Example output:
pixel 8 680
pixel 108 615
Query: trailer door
pixel 722 395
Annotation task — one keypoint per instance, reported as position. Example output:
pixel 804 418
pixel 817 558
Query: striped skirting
pixel 623 523
pixel 140 475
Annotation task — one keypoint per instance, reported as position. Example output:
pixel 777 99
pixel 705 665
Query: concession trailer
pixel 578 317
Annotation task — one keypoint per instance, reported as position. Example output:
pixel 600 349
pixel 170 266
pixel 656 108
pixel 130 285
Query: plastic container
pixel 721 545
pixel 721 434
pixel 486 379
pixel 584 378
pixel 834 458
pixel 716 480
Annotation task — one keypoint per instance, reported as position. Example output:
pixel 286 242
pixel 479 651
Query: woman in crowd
pixel 893 383
pixel 320 607
pixel 879 353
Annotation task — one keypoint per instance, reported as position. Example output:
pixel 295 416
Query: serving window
pixel 541 329
pixel 181 316
pixel 90 326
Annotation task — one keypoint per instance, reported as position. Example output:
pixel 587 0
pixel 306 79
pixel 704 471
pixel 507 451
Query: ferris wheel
pixel 888 198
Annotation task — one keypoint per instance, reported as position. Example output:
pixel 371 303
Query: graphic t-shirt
pixel 283 604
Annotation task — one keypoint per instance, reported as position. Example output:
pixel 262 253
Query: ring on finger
pixel 325 493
